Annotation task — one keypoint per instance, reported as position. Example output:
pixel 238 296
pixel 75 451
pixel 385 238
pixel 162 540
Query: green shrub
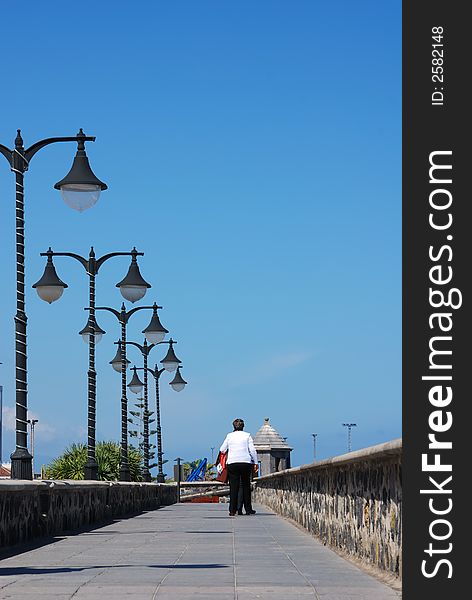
pixel 71 464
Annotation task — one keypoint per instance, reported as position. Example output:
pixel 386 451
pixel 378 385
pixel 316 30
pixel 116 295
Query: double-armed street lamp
pixel 120 362
pixel 80 190
pixel 136 386
pixel 169 363
pixel 50 288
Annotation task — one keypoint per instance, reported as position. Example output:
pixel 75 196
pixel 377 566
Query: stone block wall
pixel 352 503
pixel 31 509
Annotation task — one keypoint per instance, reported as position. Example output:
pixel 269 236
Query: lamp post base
pixel 21 465
pixel 125 474
pixel 161 478
pixel 91 470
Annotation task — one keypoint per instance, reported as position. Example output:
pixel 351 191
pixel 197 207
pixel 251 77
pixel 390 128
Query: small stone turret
pixel 273 452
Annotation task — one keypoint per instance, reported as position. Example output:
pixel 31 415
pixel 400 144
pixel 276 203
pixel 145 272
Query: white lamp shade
pixel 170 366
pixel 135 385
pixel 132 293
pixel 178 383
pixel 117 361
pixel 155 332
pixel 98 337
pixel 49 293
pixel 154 337
pixel 86 331
pixel 170 362
pixel 135 388
pixel 80 196
pixel 117 366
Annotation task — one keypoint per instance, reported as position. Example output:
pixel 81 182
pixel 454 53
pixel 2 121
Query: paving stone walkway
pixel 188 551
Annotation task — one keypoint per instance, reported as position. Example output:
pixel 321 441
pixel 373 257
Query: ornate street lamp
pixel 19 160
pixel 92 329
pixel 80 188
pixel 177 384
pixel 133 287
pixel 117 361
pixel 123 317
pixel 135 385
pixel 50 288
pixel 170 362
pixel 154 330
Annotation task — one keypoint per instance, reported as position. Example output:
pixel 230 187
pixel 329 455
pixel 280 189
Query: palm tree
pixel 71 464
pixel 210 474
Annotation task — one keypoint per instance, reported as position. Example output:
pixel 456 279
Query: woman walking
pixel 241 462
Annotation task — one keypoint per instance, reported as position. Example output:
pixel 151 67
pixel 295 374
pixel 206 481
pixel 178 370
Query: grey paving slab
pixel 184 552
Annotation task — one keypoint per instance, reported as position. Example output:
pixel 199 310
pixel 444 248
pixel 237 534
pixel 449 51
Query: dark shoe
pixel 251 512
pixel 232 514
pixel 240 512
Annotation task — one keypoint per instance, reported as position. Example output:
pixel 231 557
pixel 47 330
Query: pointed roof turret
pixel 268 438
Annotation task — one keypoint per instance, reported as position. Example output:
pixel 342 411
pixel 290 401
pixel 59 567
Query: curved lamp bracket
pixel 14 156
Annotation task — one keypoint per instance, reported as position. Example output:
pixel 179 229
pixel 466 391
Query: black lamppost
pixel 155 332
pixel 119 363
pixel 80 190
pixel 349 439
pixel 136 385
pixel 50 288
pixel 170 363
pixel 315 435
pixel 32 424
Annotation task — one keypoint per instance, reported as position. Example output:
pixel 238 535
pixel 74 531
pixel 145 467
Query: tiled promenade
pixel 188 551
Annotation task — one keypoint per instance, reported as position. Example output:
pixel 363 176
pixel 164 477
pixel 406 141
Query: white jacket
pixel 240 447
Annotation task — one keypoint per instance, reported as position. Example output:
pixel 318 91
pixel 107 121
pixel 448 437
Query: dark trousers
pixel 239 474
pixel 240 495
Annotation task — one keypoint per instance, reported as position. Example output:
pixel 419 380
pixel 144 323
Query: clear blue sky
pixel 253 152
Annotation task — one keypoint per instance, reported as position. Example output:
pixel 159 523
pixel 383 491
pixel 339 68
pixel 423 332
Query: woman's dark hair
pixel 238 424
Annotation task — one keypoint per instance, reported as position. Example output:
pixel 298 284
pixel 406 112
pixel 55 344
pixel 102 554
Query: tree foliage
pixel 71 464
pixel 137 420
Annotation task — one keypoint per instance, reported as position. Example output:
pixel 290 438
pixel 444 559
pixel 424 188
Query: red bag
pixel 223 473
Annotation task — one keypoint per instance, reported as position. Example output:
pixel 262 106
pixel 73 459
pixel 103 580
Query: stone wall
pixel 352 503
pixel 31 509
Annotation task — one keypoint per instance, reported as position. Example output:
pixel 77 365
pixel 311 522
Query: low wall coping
pixel 196 484
pixel 23 485
pixel 216 492
pixel 387 449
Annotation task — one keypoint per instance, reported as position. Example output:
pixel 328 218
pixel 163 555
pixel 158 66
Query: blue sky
pixel 253 152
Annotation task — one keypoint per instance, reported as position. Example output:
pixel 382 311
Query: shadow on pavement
pixel 203 531
pixel 39 542
pixel 28 546
pixel 113 532
pixel 257 515
pixel 4 572
pixel 202 566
